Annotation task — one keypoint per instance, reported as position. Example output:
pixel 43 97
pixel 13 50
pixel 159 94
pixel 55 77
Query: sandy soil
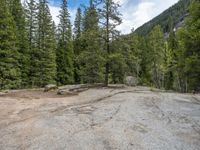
pixel 102 118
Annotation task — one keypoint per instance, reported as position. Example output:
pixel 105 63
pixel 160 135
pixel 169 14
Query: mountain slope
pixel 169 18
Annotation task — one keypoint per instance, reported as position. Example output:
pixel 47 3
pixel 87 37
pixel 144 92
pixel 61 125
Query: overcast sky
pixel 134 12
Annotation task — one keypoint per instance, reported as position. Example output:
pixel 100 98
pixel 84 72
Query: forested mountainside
pixel 169 18
pixel 34 52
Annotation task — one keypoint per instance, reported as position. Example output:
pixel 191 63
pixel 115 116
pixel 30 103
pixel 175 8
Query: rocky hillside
pixel 171 17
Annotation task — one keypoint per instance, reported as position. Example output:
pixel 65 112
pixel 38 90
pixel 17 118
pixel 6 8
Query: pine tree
pixel 22 41
pixel 135 56
pixel 65 68
pixel 9 55
pixel 90 20
pixel 156 56
pixel 110 18
pixel 78 24
pixel 44 64
pixel 118 67
pixel 31 22
pixel 77 43
pixel 170 60
pixel 78 29
pixel 180 73
pixel 189 50
pixel 31 9
pixel 90 60
pixel 144 55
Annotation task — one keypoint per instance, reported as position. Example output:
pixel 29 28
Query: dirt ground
pixel 130 118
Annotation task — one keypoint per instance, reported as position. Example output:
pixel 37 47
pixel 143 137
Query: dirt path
pixel 96 119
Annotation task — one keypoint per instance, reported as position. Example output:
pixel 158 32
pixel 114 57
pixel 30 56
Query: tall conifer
pixel 110 18
pixel 156 56
pixel 90 59
pixel 10 76
pixel 65 68
pixel 31 9
pixel 44 64
pixel 77 42
pixel 21 42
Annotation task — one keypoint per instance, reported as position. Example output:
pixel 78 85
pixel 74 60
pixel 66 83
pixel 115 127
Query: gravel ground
pixel 100 119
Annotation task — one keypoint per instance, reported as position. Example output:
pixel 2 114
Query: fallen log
pixel 3 93
pixel 66 92
pixel 75 89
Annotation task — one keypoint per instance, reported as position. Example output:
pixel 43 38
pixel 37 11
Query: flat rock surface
pixel 100 119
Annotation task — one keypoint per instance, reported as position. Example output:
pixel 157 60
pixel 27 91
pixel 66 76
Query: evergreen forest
pixel 35 52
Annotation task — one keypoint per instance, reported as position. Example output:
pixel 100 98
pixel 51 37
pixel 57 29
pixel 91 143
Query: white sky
pixel 134 12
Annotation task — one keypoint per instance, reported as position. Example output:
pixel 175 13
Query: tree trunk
pixel 107 67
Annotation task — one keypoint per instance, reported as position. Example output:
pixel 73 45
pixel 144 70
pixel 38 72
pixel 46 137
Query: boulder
pixel 50 87
pixel 131 81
